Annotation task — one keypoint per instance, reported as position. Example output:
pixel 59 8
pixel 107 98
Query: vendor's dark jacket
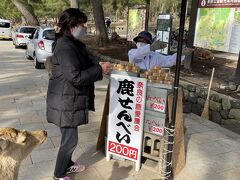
pixel 71 86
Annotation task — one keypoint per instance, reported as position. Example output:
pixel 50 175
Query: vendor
pixel 145 57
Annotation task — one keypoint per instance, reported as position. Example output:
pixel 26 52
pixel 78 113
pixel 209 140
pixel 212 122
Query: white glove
pixel 157 45
pixel 187 51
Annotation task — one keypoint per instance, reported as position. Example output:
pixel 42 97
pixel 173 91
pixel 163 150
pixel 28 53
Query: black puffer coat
pixel 71 87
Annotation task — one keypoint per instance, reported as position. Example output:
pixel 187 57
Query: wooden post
pixel 176 86
pixel 237 72
pixel 178 159
pixel 103 127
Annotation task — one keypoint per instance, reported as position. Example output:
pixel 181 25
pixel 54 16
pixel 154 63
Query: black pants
pixel 68 144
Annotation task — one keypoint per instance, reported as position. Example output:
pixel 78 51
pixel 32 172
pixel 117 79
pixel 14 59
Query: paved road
pixel 23 106
pixel 213 153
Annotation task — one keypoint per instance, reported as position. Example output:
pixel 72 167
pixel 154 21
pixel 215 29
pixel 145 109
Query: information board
pixel 164 26
pixel 218 3
pixel 218 26
pixel 126 117
pixel 136 21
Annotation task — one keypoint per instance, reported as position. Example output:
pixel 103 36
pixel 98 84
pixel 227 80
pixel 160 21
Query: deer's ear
pixel 3 144
pixel 21 137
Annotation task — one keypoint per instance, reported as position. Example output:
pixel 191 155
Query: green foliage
pixel 237 17
pixel 118 7
pixel 85 6
pixel 112 8
pixel 49 8
pixel 114 4
pixel 136 2
pixel 41 8
pixel 9 11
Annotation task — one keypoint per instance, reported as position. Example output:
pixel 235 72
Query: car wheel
pixel 16 47
pixel 37 64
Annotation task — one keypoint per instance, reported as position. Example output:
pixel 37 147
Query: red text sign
pixel 123 150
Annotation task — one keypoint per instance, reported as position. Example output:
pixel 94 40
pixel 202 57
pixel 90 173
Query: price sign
pixel 126 117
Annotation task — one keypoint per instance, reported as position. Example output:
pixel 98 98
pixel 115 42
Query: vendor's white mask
pixel 79 32
pixel 140 44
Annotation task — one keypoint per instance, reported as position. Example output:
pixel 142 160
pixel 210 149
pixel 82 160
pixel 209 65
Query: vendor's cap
pixel 144 34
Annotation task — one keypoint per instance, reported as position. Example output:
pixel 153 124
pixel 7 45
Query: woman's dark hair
pixel 70 18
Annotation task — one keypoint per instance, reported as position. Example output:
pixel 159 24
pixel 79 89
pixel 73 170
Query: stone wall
pixel 223 109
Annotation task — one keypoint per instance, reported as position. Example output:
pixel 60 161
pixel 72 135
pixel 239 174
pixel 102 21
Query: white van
pixel 5 29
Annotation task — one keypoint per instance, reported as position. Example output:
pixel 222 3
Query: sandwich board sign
pixel 126 117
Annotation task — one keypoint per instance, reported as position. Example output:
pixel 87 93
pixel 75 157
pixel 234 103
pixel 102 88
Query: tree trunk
pixel 26 12
pixel 101 31
pixel 23 20
pixel 74 4
pixel 191 34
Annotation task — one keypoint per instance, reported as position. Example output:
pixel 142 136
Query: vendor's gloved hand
pixel 157 45
pixel 105 67
pixel 187 51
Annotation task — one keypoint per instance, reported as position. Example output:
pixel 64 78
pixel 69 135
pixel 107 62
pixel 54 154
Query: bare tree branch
pixel 26 12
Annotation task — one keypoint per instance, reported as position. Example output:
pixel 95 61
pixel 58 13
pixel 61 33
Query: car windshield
pixel 4 25
pixel 27 30
pixel 49 34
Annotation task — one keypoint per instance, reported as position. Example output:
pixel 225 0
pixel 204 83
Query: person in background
pixel 70 92
pixel 145 57
pixel 108 22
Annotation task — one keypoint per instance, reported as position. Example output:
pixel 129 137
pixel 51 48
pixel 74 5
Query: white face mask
pixel 79 32
pixel 140 44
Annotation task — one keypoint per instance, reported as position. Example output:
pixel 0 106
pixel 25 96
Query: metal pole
pixel 176 84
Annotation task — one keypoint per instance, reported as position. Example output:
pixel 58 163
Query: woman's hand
pixel 105 67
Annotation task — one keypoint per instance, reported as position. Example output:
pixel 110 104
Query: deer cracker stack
pixel 129 67
pixel 158 75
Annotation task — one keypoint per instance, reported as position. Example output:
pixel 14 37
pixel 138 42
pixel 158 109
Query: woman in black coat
pixel 71 87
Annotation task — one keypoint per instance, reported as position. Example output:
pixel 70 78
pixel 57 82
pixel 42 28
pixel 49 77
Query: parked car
pixel 21 34
pixel 5 29
pixel 39 46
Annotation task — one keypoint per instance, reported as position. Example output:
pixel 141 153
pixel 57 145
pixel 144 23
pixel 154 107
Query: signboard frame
pixel 134 27
pixel 130 125
pixel 221 34
pixel 218 4
pixel 164 33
